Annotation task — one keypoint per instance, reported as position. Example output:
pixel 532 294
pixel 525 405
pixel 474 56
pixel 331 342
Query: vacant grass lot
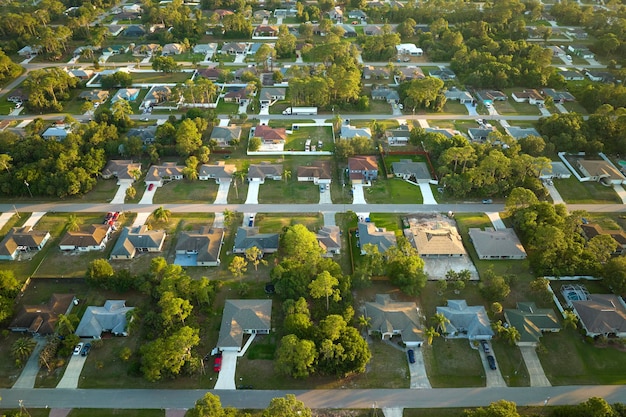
pixel 274 223
pixel 576 192
pixel 186 192
pixel 290 191
pixel 103 192
pixel 297 139
pixel 394 191
pixel 453 107
pixel 453 364
pixel 389 221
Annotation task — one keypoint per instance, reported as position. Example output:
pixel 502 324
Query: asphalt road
pixel 382 398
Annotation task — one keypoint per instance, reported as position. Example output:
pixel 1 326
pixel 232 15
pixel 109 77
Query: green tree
pixel 295 357
pixel 191 168
pixel 238 267
pixel 161 214
pixel 289 406
pixel 570 319
pixel 255 256
pixel 174 307
pixel 494 287
pixel 166 64
pixel 325 285
pixel 440 321
pixel 430 334
pixel 22 348
pixel 255 144
pixel 99 271
pixel 66 324
pixel 188 138
pixel 614 274
pixel 73 223
pixel 500 408
pixel 210 406
pixel 131 193
pixel 166 356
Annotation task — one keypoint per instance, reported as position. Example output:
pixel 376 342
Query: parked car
pixel 411 354
pixel 485 346
pixel 150 187
pixel 487 201
pixel 85 350
pixel 217 363
pixel 78 348
pixel 492 362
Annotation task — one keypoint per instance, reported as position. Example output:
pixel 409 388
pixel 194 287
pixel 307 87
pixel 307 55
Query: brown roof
pixel 602 313
pixel 317 169
pixel 91 235
pixel 210 73
pixel 42 318
pixel 268 133
pixel 362 163
pixel 21 236
pixel 592 230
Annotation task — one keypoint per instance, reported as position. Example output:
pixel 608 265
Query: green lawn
pixel 389 221
pixel 576 192
pixel 453 364
pixel 226 108
pixel 103 192
pixel 160 77
pixel 91 412
pixel 511 364
pixel 127 57
pixel 275 223
pixel 393 190
pixel 288 192
pixel 511 106
pixel 297 139
pixel 454 107
pixel 184 191
pixel 188 56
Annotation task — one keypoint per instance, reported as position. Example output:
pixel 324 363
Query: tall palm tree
pixel 161 214
pixel 73 223
pixel 229 216
pixel 512 335
pixel 430 334
pixel 22 348
pixel 65 325
pixel 569 319
pixel 440 321
pixel 286 175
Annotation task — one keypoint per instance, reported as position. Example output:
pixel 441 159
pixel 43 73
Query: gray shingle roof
pixel 240 316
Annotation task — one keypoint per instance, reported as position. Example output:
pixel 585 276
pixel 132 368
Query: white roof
pixel 411 47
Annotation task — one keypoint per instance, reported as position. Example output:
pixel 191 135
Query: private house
pixel 435 238
pixel 234 48
pixel 57 132
pixel 373 30
pixel 146 50
pixel 349 132
pixel 489 96
pixel 518 133
pixel 205 48
pixel 128 94
pixel 369 234
pixel 22 239
pixel 409 49
pixel 317 171
pixel 390 318
pixel 557 51
pixel 88 238
pixel 571 75
pixel 224 135
pixel 237 96
pixel 444 74
pixel 261 14
pixel 220 13
pixel 348 31
pixel 398 136
pixel 248 237
pixel 172 49
pixel 601 76
pixel 241 73
pixel 160 174
pixel 41 319
pixel 134 31
pixel 581 51
pixel 123 170
pixel 480 134
pixel 114 30
pixel 157 95
pixel 408 74
pixel 270 95
pixel 110 318
pixel 266 31
pixel 389 95
pixel 469 322
pixel 264 170
pixel 558 97
pixel 357 14
pixel 455 94
pixel 131 8
pixel 199 247
pixel 18 96
pixel 336 14
pixel 601 315
pixel 410 170
pixel 78 51
pixel 211 73
pixel 95 96
pixel 599 170
pixel 221 172
pixel 558 170
pixel 135 240
pixel 497 244
pixel 448 133
pixel 329 238
pixel 590 231
pixel 146 134
pixel 377 73
pixel 362 169
pixel 81 74
pixel 270 135
pixel 530 96
pixel 531 322
pixel 114 50
pixel 28 51
pixel 241 317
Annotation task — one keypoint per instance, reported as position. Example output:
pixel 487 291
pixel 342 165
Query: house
pixel 221 172
pixel 81 74
pixel 336 14
pixel 329 238
pixel 123 170
pixel 261 172
pixel 110 318
pixel 362 169
pixel 577 33
pixel 444 74
pixel 378 73
pixel 317 171
pixel 602 315
pixel 114 50
pixel 518 133
pixel 269 31
pixel 448 133
pixel 147 50
pixel 159 174
pixel 496 244
pixel 389 318
pixel 373 30
pixel 410 170
pixel 220 13
pixel 18 96
pixel 58 132
pixel 409 49
pixel 581 51
pixel 78 51
pixel 131 8
pixel 134 31
pixel 270 95
pixel 128 94
pixel 200 247
pixel 224 135
pixel 558 96
pixel 241 73
pixel 571 75
pixel 435 238
pixel 211 73
pixel 22 239
pixel 389 95
pixel 557 51
pixel 408 73
pixel 590 231
pixel 205 48
pixel 601 76
pixel 41 319
pixel 248 237
pixel 172 49
pixel 114 30
pixel 369 234
pixel 398 136
pixel 29 51
pixel 556 170
pixel 236 96
pixel 531 96
pixel 489 96
pixel 157 94
pixel 261 14
pixel 357 14
pixel 348 31
pixel 140 239
pixel 86 239
pixel 234 48
pixel 466 321
pixel 146 134
pixel 270 135
pixel 95 96
pixel 241 317
pixel 531 322
pixel 458 95
pixel 480 134
pixel 600 170
pixel 349 132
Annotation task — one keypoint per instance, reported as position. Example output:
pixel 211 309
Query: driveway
pixel 224 122
pixel 329 218
pixel 218 221
pixel 419 377
pixel 427 194
pixel 554 193
pixel 29 374
pixel 494 377
pixel 358 197
pixel 141 218
pixel 471 109
pixel 544 112
pixel 561 108
pixel 253 193
pixel 535 370
pixel 4 218
pixel 423 123
pixel 222 193
pixel 621 192
pixel 72 372
pixel 34 218
pixel 239 58
pixel 496 221
pixel 325 197
pixel 148 195
pixel 226 378
pixel 120 195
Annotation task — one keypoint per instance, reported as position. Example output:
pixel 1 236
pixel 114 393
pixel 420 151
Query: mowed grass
pixel 92 412
pixel 8 371
pixel 511 363
pixel 298 138
pixel 389 221
pixel 184 191
pixel 275 223
pixel 568 360
pixel 576 192
pixel 393 191
pixel 160 77
pixel 453 364
pixel 289 191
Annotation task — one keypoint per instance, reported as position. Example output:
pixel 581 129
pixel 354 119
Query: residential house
pixel 264 170
pixel 489 96
pixel 146 134
pixel 601 76
pixel 369 234
pixel 377 73
pixel 81 74
pixel 600 170
pixel 157 95
pixel 390 318
pixel 349 132
pixel 530 96
pixel 205 48
pixel 128 94
pixel 95 96
pixel 146 50
pixel 349 31
pixel 373 30
pixel 398 136
pixel 221 172
pixel 357 14
pixel 160 174
pixel 317 171
pixel 114 50
pixel 57 131
pixel 496 244
pixel 389 95
pixel 212 73
pixel 270 135
pixel 241 73
pixel 269 95
pixel 41 319
pixel 455 94
pixel 269 31
pixel 408 73
pixel 410 170
pixel 261 14
pixel 134 31
pixel 602 315
pixel 336 14
pixel 556 170
pixel 172 49
pixel 234 48
pixel 557 51
pixel 558 96
pixel 581 51
pixel 131 8
pixel 123 170
pixel 236 96
pixel 531 322
pixel 577 33
pixel 362 169
pixel 110 318
pixel 480 134
pixel 220 13
pixel 135 240
pixel 521 132
pixel 200 247
pixel 466 321
pixel 444 74
pixel 86 239
pixel 22 239
pixel 592 230
pixel 571 75
pixel 29 51
pixel 409 49
pixel 114 30
pixel 329 239
pixel 241 317
pixel 78 51
pixel 18 96
pixel 248 237
pixel 448 133
pixel 224 135
pixel 435 238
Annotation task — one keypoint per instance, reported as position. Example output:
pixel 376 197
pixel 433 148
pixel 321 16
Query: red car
pixel 217 364
pixel 150 187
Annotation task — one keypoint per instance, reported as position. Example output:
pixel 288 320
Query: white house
pixel 409 49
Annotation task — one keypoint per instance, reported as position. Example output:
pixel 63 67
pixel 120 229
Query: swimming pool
pixel 622 163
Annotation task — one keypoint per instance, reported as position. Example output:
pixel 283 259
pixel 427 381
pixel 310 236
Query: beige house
pixel 317 171
pixel 134 240
pixel 435 238
pixel 88 238
pixel 160 174
pixel 329 238
pixel 123 170
pixel 497 244
pixel 601 171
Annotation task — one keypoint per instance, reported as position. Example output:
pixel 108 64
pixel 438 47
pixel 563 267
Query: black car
pixel 85 350
pixel 411 355
pixel 492 362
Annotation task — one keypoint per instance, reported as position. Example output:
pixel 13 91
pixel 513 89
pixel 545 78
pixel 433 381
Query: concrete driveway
pixel 120 194
pixel 4 218
pixel 494 377
pixel 222 193
pixel 72 372
pixel 358 197
pixel 29 374
pixel 535 370
pixel 141 218
pixel 427 194
pixel 325 197
pixel 621 192
pixel 419 377
pixel 34 218
pixel 148 195
pixel 496 221
pixel 471 109
pixel 218 221
pixel 253 193
pixel 226 377
pixel 554 193
pixel 239 59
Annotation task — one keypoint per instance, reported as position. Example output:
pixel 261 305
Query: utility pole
pixel 28 187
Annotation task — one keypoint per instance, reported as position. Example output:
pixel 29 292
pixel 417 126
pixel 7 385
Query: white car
pixel 78 348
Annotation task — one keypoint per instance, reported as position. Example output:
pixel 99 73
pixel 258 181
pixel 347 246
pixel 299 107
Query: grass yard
pixel 393 190
pixel 184 191
pixel 511 364
pixel 288 192
pixel 160 77
pixel 453 364
pixel 389 221
pixel 103 192
pixel 226 108
pixel 584 363
pixel 274 223
pixel 513 107
pixel 90 412
pixel 297 139
pixel 454 107
pixel 8 371
pixel 458 412
pixel 127 57
pixel 576 192
pixel 188 56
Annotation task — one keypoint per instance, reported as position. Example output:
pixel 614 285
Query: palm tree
pixel 238 175
pixel 131 192
pixel 229 216
pixel 65 325
pixel 440 321
pixel 430 334
pixel 22 348
pixel 286 175
pixel 512 335
pixel 569 319
pixel 365 322
pixel 161 214
pixel 73 223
